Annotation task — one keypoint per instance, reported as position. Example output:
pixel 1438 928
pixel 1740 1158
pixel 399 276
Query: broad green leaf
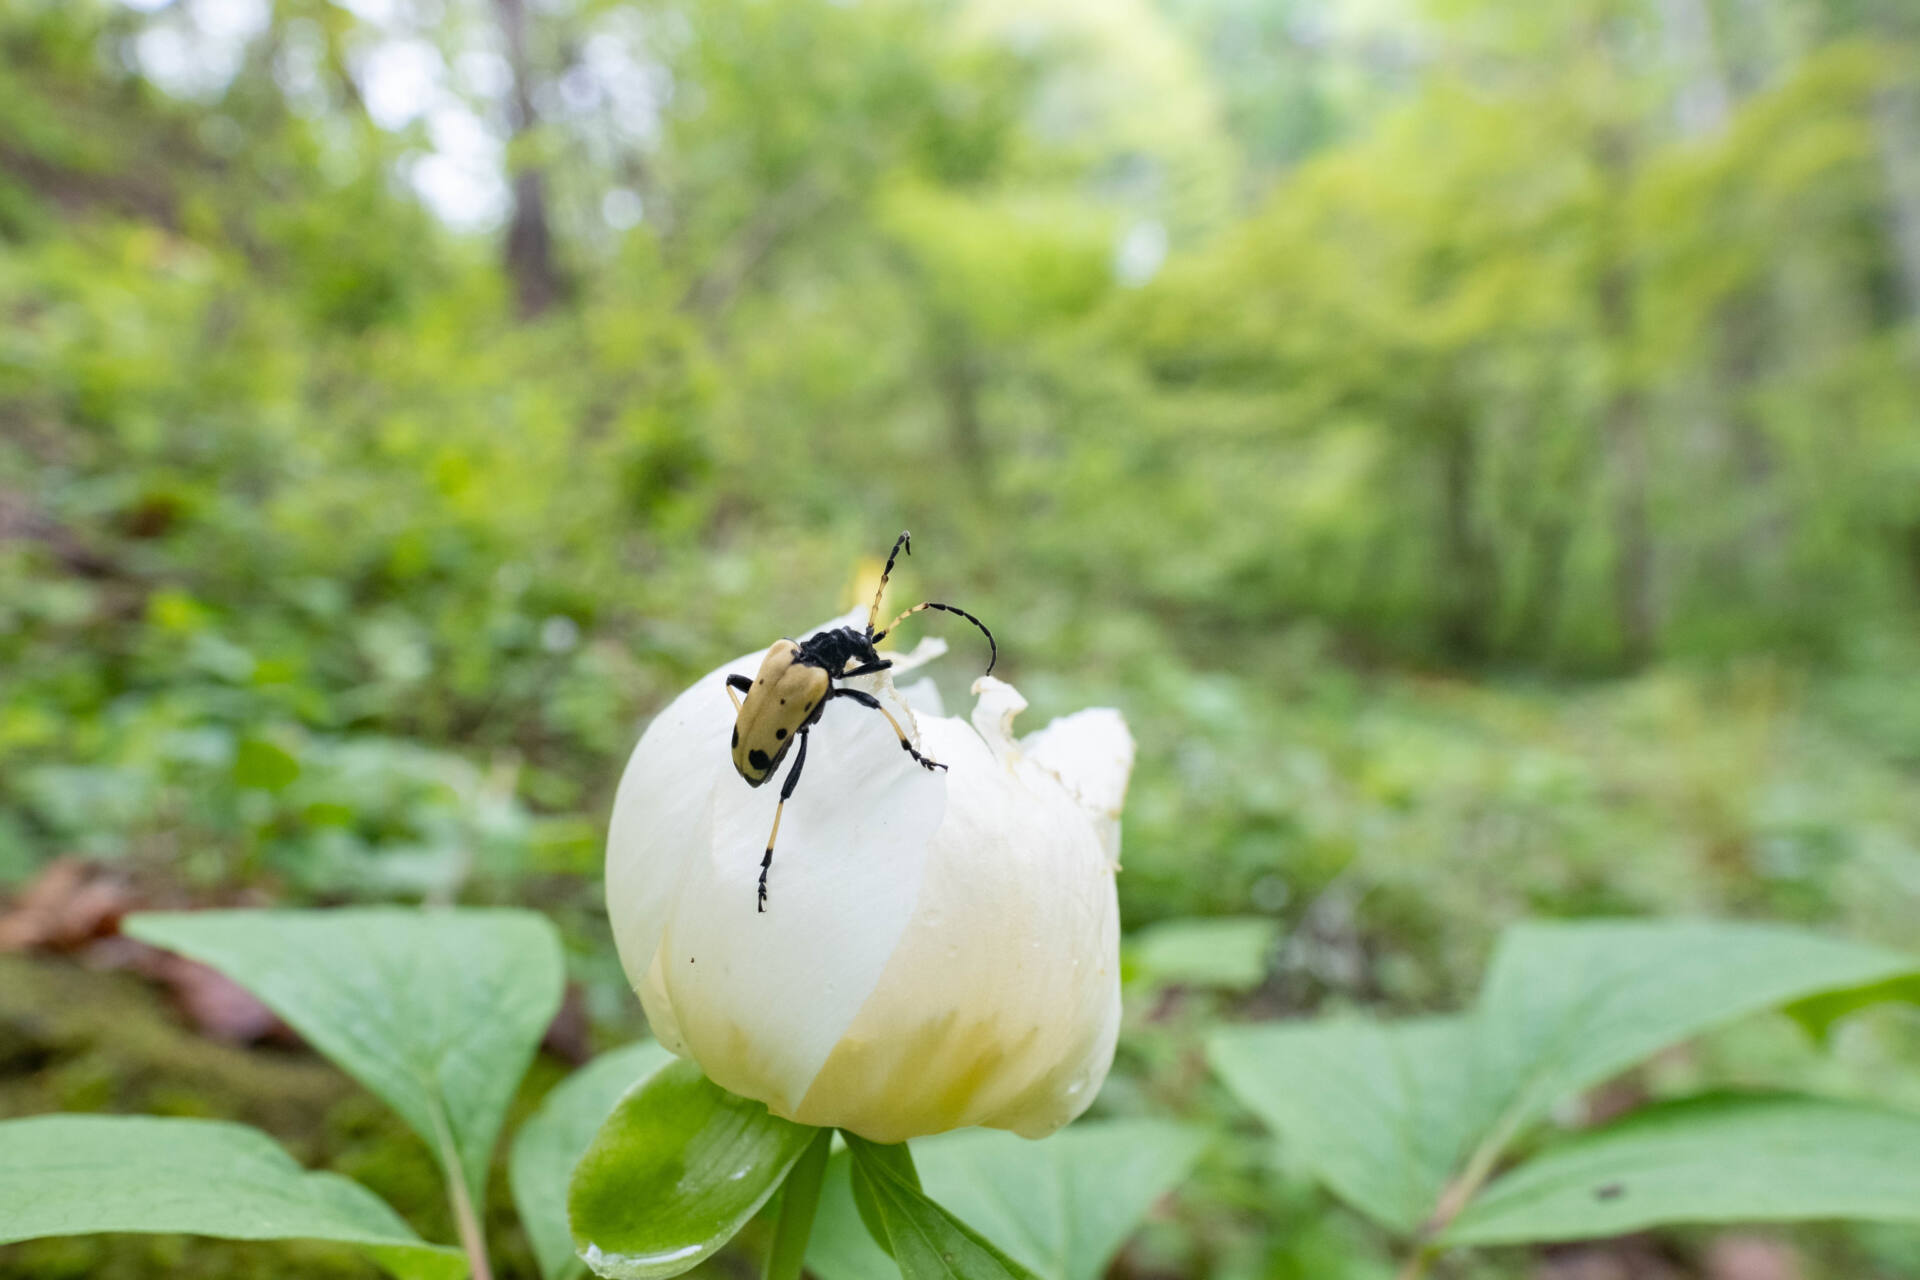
pixel 1230 952
pixel 1818 1014
pixel 675 1171
pixel 553 1138
pixel 898 1157
pixel 1383 1113
pixel 1387 1114
pixel 845 1235
pixel 1061 1207
pixel 927 1241
pixel 67 1175
pixel 438 1013
pixel 1566 1006
pixel 1715 1159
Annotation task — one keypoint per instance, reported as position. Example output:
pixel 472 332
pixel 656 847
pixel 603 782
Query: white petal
pixel 929 648
pixel 996 704
pixel 661 809
pixel 923 696
pixel 761 998
pixel 1091 752
pixel 1002 1004
pixel 939 950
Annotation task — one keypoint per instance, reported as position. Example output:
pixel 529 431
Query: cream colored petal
pixel 1001 1005
pixel 995 705
pixel 661 810
pixel 923 696
pixel 1091 752
pixel 659 1006
pixel 939 949
pixel 929 648
pixel 761 998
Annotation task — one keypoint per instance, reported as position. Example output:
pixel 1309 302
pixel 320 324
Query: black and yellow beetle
pixel 796 682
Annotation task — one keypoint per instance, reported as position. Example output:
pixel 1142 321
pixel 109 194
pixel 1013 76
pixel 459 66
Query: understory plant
pixel 1450 1132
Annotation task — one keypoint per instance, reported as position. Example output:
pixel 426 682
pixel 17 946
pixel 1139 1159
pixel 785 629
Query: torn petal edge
pixel 995 705
pixel 1091 753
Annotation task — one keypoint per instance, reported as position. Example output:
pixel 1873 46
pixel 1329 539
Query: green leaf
pixel 799 1203
pixel 438 1013
pixel 899 1158
pixel 1387 1115
pixel 1819 1014
pixel 69 1175
pixel 1708 1160
pixel 846 1234
pixel 552 1140
pixel 1382 1113
pixel 926 1241
pixel 1228 952
pixel 1566 1006
pixel 676 1170
pixel 1061 1207
pixel 262 764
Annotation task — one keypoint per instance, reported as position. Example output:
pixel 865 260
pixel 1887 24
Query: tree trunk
pixel 1469 590
pixel 1897 121
pixel 1626 434
pixel 1702 100
pixel 956 365
pixel 530 261
pixel 1557 473
pixel 1623 419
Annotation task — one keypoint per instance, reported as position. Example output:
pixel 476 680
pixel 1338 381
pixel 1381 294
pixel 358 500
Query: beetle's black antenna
pixel 993 650
pixel 902 543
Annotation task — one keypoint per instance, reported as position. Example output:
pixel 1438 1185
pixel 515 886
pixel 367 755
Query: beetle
pixel 796 682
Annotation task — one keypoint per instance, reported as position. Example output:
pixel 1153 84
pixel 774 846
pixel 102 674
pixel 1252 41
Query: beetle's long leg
pixel 868 700
pixel 866 670
pixel 993 650
pixel 902 543
pixel 742 684
pixel 786 789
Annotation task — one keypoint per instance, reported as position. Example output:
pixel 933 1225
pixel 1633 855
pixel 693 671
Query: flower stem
pixel 799 1199
pixel 1417 1263
pixel 466 1219
pixel 472 1239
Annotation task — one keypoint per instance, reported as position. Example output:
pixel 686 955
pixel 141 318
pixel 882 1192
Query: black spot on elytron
pixel 780 733
pixel 783 702
pixel 757 758
pixel 736 735
pixel 1612 1191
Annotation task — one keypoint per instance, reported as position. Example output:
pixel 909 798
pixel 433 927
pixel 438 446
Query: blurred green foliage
pixel 1476 443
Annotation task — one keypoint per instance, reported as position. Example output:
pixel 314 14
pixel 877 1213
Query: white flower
pixel 938 949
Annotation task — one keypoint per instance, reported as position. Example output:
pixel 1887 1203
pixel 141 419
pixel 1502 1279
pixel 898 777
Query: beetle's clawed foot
pixel 928 765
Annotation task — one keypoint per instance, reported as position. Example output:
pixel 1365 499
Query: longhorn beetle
pixel 798 679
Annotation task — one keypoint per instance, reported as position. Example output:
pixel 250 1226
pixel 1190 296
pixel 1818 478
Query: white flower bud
pixel 938 949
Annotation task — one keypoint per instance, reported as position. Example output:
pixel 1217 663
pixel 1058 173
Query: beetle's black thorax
pixel 834 649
